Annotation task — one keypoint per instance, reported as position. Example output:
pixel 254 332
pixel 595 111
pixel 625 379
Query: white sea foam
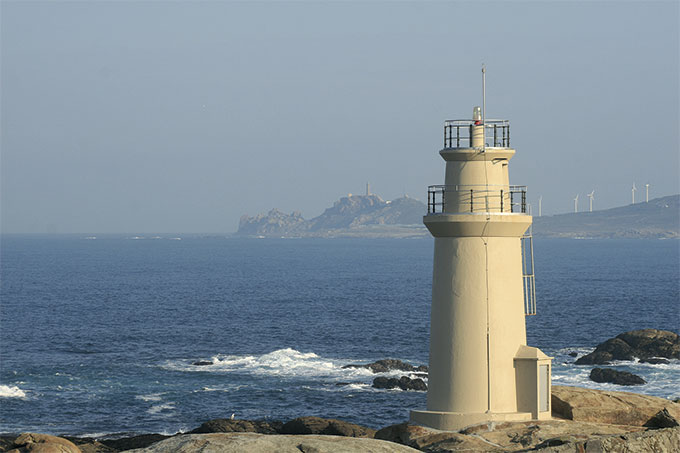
pixel 7 391
pixel 282 362
pixel 166 407
pixel 227 388
pixel 150 397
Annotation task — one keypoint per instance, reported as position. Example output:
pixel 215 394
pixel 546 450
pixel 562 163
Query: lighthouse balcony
pixel 476 199
pixel 459 133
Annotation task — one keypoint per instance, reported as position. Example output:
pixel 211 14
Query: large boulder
pixel 223 425
pixel 619 408
pixel 643 344
pixel 404 383
pixel 262 443
pixel 385 365
pixel 331 427
pixel 43 443
pixel 615 377
pixel 662 419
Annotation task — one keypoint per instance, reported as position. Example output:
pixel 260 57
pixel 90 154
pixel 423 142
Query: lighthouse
pixel 480 367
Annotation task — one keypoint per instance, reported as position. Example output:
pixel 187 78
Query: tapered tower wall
pixel 478 354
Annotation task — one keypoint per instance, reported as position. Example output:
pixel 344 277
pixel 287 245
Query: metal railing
pixel 465 198
pixel 458 133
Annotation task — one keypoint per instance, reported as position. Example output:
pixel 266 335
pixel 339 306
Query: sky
pixel 139 117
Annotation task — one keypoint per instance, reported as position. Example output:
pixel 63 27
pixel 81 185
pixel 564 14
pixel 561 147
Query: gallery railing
pixel 457 133
pixel 443 199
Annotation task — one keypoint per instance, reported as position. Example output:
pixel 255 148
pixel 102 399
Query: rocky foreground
pixel 585 420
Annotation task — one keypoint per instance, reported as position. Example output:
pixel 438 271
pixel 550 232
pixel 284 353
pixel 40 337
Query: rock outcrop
pixel 43 443
pixel 262 443
pixel 386 365
pixel 404 383
pixel 615 377
pixel 128 443
pixel 662 419
pixel 618 408
pixel 643 344
pixel 655 361
pixel 223 425
pixel 330 427
pixel 202 363
pixel 665 440
pixel 551 435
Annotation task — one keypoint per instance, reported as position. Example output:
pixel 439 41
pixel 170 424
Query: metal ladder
pixel 528 273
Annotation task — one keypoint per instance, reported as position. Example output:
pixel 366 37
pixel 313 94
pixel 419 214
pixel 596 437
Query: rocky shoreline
pixel 583 420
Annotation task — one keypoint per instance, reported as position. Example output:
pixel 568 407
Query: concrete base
pixel 455 421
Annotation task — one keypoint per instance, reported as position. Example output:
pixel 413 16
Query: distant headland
pixel 370 216
pixel 350 216
pixel 657 219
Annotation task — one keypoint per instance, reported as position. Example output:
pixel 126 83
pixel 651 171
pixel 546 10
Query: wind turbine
pixel 540 202
pixel 646 193
pixel 576 203
pixel 633 192
pixel 591 195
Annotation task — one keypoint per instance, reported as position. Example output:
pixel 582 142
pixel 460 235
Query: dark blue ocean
pixel 98 336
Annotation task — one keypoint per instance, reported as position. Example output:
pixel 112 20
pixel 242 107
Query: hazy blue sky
pixel 182 116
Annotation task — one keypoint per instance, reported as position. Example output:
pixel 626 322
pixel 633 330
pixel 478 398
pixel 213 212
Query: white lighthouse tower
pixel 482 288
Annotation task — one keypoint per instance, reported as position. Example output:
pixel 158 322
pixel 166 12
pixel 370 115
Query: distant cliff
pixel 660 218
pixel 356 215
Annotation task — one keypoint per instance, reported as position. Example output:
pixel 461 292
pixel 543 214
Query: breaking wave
pixel 7 391
pixel 283 363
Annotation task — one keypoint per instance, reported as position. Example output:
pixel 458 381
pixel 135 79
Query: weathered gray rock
pixel 88 445
pixel 128 443
pixel 497 437
pixel 386 365
pixel 223 425
pixel 655 361
pixel 659 441
pixel 615 377
pixel 428 439
pixel 43 443
pixel 404 383
pixel 263 443
pixel 662 419
pixel 644 344
pixel 597 406
pixel 331 427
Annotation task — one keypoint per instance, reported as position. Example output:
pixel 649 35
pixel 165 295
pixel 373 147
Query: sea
pixel 99 335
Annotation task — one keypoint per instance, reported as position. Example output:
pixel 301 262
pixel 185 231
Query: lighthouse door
pixel 543 388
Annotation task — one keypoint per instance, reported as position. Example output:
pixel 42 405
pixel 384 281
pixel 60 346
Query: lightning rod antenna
pixel 483 107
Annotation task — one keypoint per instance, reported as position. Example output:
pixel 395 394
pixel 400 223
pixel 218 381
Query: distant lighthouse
pixel 480 366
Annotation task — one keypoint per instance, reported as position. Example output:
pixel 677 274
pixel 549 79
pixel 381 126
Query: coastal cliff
pixel 355 215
